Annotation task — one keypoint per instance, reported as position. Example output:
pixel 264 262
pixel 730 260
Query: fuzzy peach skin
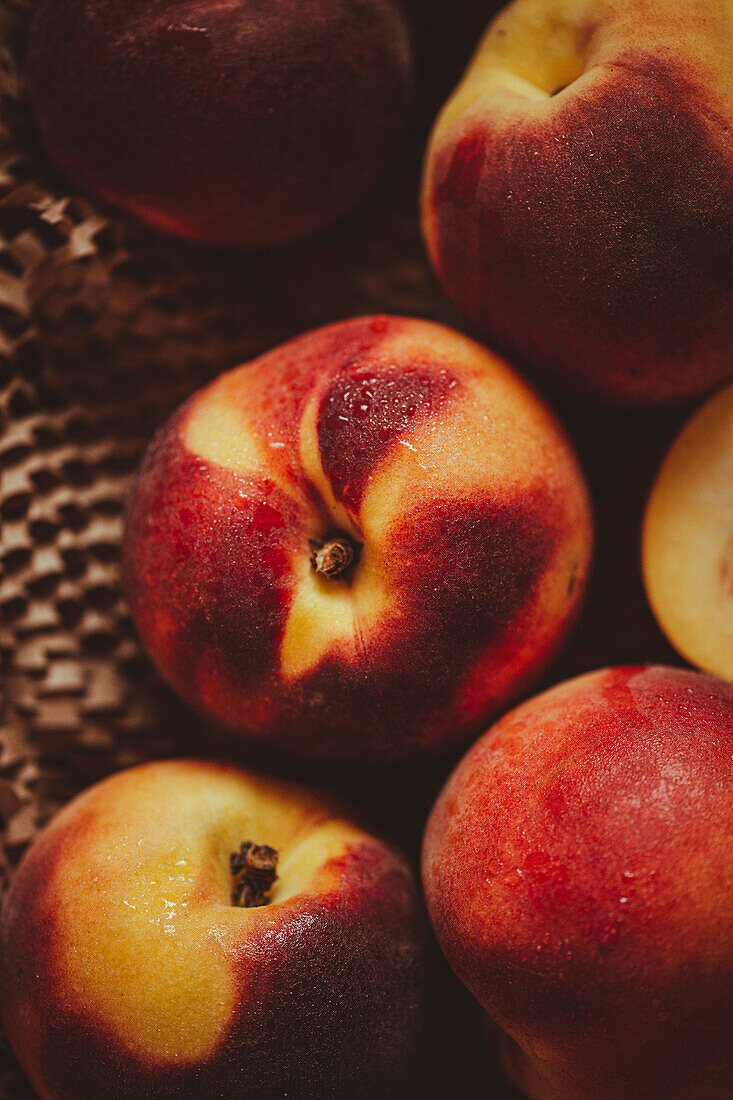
pixel 127 973
pixel 453 485
pixel 578 869
pixel 578 194
pixel 244 122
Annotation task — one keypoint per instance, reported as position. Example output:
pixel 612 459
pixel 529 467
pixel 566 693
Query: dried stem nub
pixel 333 557
pixel 254 871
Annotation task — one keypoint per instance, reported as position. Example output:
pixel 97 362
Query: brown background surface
pixel 104 327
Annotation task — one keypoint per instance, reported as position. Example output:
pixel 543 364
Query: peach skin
pixel 187 930
pixel 687 544
pixel 578 194
pixel 578 873
pixel 362 544
pixel 239 123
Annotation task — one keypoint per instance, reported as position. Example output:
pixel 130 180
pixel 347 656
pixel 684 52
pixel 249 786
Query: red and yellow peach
pixel 185 929
pixel 577 868
pixel 578 194
pixel 362 544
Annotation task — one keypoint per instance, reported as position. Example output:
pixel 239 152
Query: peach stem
pixel 333 557
pixel 254 869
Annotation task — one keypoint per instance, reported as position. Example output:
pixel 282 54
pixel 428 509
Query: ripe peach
pixel 184 929
pixel 687 545
pixel 578 194
pixel 577 869
pixel 240 123
pixel 361 544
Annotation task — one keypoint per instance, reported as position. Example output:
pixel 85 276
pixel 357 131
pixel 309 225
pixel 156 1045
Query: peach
pixel 687 544
pixel 186 929
pixel 361 544
pixel 578 194
pixel 577 868
pixel 238 123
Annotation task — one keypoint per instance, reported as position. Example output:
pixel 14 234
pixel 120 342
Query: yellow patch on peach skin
pixel 147 941
pixel 218 430
pixel 525 54
pixel 532 48
pixel 330 615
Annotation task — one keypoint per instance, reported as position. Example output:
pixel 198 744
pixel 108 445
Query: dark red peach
pixel 244 122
